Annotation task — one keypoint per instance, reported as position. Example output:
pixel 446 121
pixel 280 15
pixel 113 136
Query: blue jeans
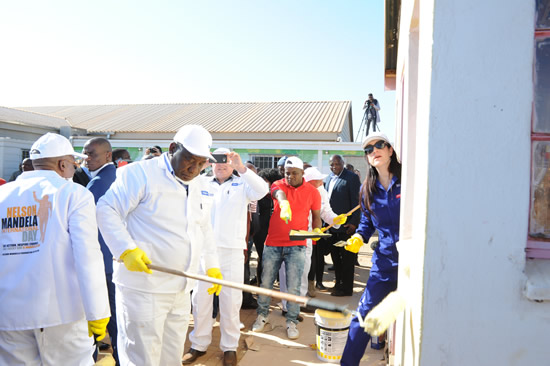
pixel 294 258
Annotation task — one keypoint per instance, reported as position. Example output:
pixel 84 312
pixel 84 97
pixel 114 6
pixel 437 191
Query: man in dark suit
pixel 82 175
pixel 103 173
pixel 343 187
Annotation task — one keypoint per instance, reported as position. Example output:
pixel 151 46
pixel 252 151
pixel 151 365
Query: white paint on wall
pixel 466 198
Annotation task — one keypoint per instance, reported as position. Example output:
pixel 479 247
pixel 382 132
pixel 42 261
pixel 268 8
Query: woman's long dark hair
pixel 369 184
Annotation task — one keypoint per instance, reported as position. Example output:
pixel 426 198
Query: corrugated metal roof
pixel 265 117
pixel 12 115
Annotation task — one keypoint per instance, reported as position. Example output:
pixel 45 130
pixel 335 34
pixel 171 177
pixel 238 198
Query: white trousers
pixel 66 344
pixel 232 268
pixel 151 327
pixel 303 281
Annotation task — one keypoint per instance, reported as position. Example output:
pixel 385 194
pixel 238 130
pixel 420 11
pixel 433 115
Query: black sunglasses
pixel 379 145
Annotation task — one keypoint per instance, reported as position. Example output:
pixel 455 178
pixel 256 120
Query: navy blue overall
pixel 383 274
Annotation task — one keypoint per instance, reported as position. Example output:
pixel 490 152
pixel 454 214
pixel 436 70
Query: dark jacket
pixel 98 186
pixel 81 177
pixel 344 197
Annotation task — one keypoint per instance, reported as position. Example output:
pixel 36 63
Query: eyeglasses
pixel 379 145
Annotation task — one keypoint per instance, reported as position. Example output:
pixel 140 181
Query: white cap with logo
pixel 196 139
pixel 313 174
pixel 52 145
pixel 375 136
pixel 294 162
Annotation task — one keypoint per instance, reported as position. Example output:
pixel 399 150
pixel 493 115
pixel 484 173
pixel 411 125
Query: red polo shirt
pixel 302 200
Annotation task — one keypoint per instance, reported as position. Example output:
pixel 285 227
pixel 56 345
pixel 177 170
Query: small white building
pixel 260 132
pixel 472 81
pixel 18 130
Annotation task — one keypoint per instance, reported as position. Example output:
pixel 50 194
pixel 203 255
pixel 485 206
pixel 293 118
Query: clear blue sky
pixel 136 52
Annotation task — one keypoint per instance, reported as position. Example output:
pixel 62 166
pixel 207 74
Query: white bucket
pixel 332 333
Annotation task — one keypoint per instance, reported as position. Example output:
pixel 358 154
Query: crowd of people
pixel 77 242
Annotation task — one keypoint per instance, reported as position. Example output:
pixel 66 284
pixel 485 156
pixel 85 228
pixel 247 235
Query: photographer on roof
pixel 372 115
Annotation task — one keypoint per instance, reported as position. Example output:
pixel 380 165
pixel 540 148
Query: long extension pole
pixel 302 300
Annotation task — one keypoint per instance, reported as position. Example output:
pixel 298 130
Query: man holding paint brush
pixel 294 199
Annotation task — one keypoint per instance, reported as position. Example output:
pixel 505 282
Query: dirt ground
pixel 272 347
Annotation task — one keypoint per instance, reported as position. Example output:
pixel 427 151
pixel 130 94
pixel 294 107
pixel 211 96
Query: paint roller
pixel 304 234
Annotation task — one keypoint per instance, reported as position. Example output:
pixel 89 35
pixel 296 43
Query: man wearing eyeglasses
pixel 343 187
pixel 53 294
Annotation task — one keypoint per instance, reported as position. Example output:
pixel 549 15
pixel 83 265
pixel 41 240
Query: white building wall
pixel 10 155
pixel 462 258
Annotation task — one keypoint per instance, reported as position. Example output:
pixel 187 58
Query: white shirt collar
pixel 95 172
pixel 171 170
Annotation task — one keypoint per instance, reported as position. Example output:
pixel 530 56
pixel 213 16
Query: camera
pixel 220 158
pixel 369 102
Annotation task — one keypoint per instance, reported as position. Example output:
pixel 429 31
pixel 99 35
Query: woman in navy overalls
pixel 380 197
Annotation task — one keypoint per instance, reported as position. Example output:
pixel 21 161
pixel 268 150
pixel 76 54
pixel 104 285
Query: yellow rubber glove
pixel 136 260
pixel 340 219
pixel 98 327
pixel 317 230
pixel 354 243
pixel 286 214
pixel 214 273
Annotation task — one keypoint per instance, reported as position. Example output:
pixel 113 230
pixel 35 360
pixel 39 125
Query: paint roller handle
pixel 347 214
pixel 330 306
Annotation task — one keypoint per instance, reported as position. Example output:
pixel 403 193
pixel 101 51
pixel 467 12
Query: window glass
pixel 542 85
pixel 543 14
pixel 539 226
pixel 265 161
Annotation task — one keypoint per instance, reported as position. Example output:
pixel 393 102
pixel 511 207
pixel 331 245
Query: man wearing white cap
pixel 307 288
pixel 294 200
pixel 155 212
pixel 53 294
pixel 231 196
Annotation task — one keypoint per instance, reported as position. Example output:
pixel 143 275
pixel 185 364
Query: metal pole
pixel 302 300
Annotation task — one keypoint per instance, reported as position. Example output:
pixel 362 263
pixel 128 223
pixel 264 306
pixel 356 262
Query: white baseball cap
pixel 196 139
pixel 313 174
pixel 294 162
pixel 375 136
pixel 221 150
pixel 52 145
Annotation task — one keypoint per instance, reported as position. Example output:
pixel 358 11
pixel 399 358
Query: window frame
pixel 274 160
pixel 536 247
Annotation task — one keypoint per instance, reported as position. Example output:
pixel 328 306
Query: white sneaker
pixel 259 324
pixel 291 330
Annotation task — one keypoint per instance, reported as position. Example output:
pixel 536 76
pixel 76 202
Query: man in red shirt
pixel 291 191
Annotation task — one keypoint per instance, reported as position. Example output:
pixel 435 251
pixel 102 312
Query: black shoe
pixel 299 318
pixel 191 356
pixel 339 293
pixel 103 346
pixel 320 286
pixel 229 358
pixel 251 304
pixel 331 268
pixel 307 309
